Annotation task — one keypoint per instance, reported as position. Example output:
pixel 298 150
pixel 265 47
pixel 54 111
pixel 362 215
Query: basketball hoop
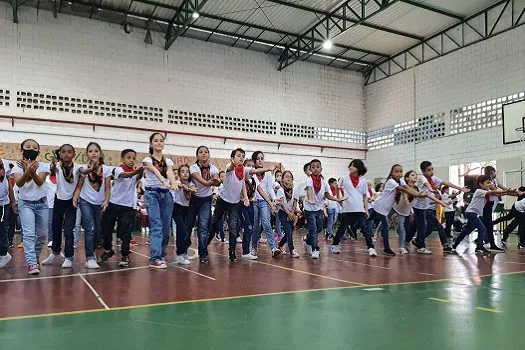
pixel 521 133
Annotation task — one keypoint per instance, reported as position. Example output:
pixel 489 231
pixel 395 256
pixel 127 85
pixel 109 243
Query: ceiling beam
pixel 433 9
pixel 182 19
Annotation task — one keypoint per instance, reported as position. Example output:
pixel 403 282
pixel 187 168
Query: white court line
pixel 427 274
pixel 99 298
pixel 197 273
pixel 357 263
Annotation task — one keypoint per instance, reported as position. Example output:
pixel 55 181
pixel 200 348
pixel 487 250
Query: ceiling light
pixel 195 15
pixel 327 45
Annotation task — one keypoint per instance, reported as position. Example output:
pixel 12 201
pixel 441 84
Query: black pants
pixel 521 227
pixel 4 221
pixel 11 225
pixel 449 220
pixel 288 230
pixel 487 221
pixel 123 216
pixel 232 210
pixel 354 220
pixel 64 216
pixel 180 213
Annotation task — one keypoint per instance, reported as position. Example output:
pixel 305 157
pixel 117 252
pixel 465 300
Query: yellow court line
pixel 489 310
pixel 440 300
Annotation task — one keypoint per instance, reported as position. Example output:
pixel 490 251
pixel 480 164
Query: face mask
pixel 30 154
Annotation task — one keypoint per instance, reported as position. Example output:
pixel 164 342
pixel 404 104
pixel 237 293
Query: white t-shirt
pixel 179 197
pixel 496 184
pixel 450 205
pixel 65 190
pixel 354 202
pixel 300 190
pixel 288 203
pixel 232 187
pixel 4 185
pixel 318 197
pixel 404 206
pixel 478 201
pixel 51 190
pixel 89 194
pixel 267 185
pixel 520 205
pixel 424 203
pixel 384 203
pixel 30 191
pixel 151 179
pixel 201 190
pixel 123 189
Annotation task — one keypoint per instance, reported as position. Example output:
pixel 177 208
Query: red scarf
pixel 334 191
pixel 53 179
pixel 431 182
pixel 370 193
pixel 205 171
pixel 355 180
pixel 316 180
pixel 126 168
pixel 239 172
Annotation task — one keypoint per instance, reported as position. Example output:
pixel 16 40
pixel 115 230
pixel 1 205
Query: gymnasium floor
pixel 340 301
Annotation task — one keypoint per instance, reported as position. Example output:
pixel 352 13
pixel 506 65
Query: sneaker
pixel 276 252
pixel 372 252
pixel 75 245
pixel 92 264
pixel 204 260
pixel 249 256
pixel 181 260
pixel 482 251
pixel 52 258
pixel 412 248
pixel 239 240
pixel 496 249
pixel 447 249
pixel 453 251
pixel 105 256
pixel 33 269
pixel 424 251
pixel 315 255
pixel 68 263
pixel 50 244
pixel 133 243
pixel 403 250
pixel 124 262
pixel 295 254
pixel 521 246
pixel 232 255
pixel 503 242
pixel 308 248
pixel 4 260
pixel 253 252
pixel 224 241
pixel 335 249
pixel 388 252
pixel 158 264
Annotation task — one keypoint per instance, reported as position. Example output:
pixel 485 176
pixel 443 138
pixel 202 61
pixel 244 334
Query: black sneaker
pixel 521 246
pixel 124 262
pixel 496 249
pixel 448 249
pixel 204 260
pixel 482 251
pixel 389 252
pixel 105 256
pixel 232 255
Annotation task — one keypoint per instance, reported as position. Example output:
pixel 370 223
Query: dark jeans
pixel 434 224
pixel 220 226
pixel 314 221
pixel 4 225
pixel 473 222
pixel 13 223
pixel 419 224
pixel 512 214
pixel 64 216
pixel 449 220
pixel 180 214
pixel 247 217
pixel 124 217
pixel 521 228
pixel 385 226
pixel 200 206
pixel 288 230
pixel 91 217
pixel 487 221
pixel 232 211
pixel 355 220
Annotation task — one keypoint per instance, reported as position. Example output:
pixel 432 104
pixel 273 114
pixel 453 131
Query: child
pixel 355 206
pixel 121 207
pixel 204 176
pixel 30 176
pixel 403 209
pixel 181 202
pixel 513 215
pixel 475 210
pixel 247 213
pixel 51 189
pixel 489 208
pixel 64 212
pixel 317 190
pixel 159 175
pixel 286 213
pixel 449 210
pixel 6 198
pixel 332 209
pixel 92 197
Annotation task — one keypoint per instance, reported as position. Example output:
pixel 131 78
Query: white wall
pixel 77 57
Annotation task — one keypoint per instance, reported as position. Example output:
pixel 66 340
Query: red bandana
pixel 370 192
pixel 431 182
pixel 316 180
pixel 126 168
pixel 355 180
pixel 239 172
pixel 53 179
pixel 205 170
pixel 334 191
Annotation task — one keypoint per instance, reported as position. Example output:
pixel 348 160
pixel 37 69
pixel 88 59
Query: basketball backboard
pixel 513 118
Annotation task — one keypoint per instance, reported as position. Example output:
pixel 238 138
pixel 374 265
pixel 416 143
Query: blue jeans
pixel 314 221
pixel 159 204
pixel 288 230
pixel 402 225
pixel 201 207
pixel 332 218
pixel 91 220
pixel 385 226
pixel 278 228
pixel 262 214
pixel 50 226
pixel 247 218
pixel 34 219
pixel 78 223
pixel 4 225
pixel 473 222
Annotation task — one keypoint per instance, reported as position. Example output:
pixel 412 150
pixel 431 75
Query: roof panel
pixel 322 5
pixel 461 7
pixel 286 18
pixel 371 39
pixel 229 7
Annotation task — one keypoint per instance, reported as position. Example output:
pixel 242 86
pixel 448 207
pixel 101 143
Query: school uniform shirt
pixel 384 203
pixel 318 196
pixel 89 194
pixel 30 191
pixel 496 184
pixel 123 190
pixel 232 187
pixel 450 205
pixel 202 191
pixel 179 197
pixel 520 205
pixel 267 184
pixel 286 203
pixel 478 201
pixel 300 190
pixel 51 190
pixel 354 202
pixel 424 203
pixel 4 185
pixel 404 206
pixel 65 190
pixel 151 180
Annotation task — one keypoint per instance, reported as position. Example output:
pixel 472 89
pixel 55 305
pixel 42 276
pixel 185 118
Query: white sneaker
pixel 295 254
pixel 4 260
pixel 92 264
pixel 50 244
pixel 403 250
pixel 52 258
pixel 335 249
pixel 315 255
pixel 143 230
pixel 307 247
pixel 181 260
pixel 424 251
pixel 412 247
pixel 249 256
pixel 68 263
pixel 253 252
pixel 239 240
pixel 372 252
